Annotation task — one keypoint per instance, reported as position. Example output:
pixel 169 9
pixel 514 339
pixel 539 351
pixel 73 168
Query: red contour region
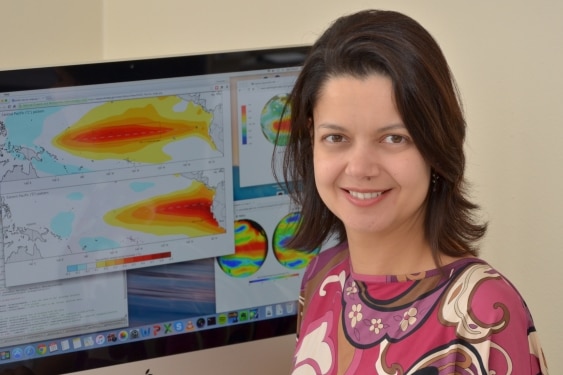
pixel 186 212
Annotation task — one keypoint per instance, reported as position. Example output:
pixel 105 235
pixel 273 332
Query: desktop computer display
pixel 140 216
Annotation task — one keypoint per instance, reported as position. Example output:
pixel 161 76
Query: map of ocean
pixel 22 155
pixel 120 179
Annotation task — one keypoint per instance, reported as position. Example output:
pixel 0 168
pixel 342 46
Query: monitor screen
pixel 140 216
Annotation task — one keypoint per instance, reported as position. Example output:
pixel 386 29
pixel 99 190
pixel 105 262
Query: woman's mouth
pixel 364 196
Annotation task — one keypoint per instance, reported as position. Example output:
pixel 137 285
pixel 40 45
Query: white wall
pixel 506 55
pixel 36 33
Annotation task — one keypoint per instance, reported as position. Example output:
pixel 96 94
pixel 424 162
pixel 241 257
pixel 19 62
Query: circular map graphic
pixel 274 118
pixel 285 255
pixel 251 248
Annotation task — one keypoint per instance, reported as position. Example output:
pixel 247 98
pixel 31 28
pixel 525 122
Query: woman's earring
pixel 435 178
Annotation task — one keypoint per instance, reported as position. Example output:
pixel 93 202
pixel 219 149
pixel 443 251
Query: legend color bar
pixel 118 261
pixel 244 124
pixel 275 277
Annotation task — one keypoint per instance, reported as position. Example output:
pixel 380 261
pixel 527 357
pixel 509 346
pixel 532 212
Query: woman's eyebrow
pixel 330 126
pixel 384 129
pixel 392 127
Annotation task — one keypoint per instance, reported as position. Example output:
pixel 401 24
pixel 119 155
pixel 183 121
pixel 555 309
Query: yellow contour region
pixel 184 212
pixel 136 129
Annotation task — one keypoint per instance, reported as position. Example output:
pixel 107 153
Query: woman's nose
pixel 362 161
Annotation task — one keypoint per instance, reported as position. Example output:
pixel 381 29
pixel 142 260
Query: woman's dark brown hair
pixel 396 46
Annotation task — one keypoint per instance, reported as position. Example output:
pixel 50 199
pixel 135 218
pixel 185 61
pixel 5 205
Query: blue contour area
pixel 23 130
pixel 97 244
pixel 139 187
pixel 61 224
pixel 75 196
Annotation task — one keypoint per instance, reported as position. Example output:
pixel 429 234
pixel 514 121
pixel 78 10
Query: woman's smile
pixel 364 196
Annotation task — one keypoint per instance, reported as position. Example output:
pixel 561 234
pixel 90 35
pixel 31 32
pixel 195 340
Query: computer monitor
pixel 140 217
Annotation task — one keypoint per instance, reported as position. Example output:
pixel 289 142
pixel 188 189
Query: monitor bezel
pixel 70 75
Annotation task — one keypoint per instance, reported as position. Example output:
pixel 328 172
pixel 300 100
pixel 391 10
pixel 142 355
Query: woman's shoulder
pixel 327 260
pixel 479 274
pixel 483 305
pixel 482 287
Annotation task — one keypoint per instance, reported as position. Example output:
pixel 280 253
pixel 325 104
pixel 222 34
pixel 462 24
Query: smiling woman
pixel 369 173
pixel 376 143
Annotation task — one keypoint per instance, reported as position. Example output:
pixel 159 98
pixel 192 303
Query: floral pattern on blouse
pixel 467 320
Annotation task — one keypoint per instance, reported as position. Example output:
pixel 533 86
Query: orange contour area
pixel 136 130
pixel 185 212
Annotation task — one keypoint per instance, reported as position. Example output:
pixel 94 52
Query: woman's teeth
pixel 359 195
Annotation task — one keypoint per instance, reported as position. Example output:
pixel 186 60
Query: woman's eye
pixel 334 138
pixel 394 138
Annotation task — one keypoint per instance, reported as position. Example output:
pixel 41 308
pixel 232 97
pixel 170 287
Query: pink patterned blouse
pixel 466 320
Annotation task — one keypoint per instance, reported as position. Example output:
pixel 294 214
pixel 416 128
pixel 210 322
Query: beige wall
pixel 36 33
pixel 506 55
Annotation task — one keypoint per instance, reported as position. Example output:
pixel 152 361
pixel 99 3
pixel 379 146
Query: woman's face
pixel 367 169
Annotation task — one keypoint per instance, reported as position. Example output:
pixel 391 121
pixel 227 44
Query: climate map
pixel 136 129
pixel 187 211
pixel 114 183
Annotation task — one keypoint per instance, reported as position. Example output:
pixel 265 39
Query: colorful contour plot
pixel 273 119
pixel 251 248
pixel 137 130
pixel 290 257
pixel 184 212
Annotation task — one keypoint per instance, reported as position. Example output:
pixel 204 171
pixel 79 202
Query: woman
pixel 377 147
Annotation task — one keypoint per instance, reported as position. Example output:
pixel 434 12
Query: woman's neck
pixel 401 252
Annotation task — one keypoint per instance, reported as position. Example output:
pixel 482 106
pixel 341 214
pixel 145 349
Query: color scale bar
pixel 277 277
pixel 119 261
pixel 244 124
